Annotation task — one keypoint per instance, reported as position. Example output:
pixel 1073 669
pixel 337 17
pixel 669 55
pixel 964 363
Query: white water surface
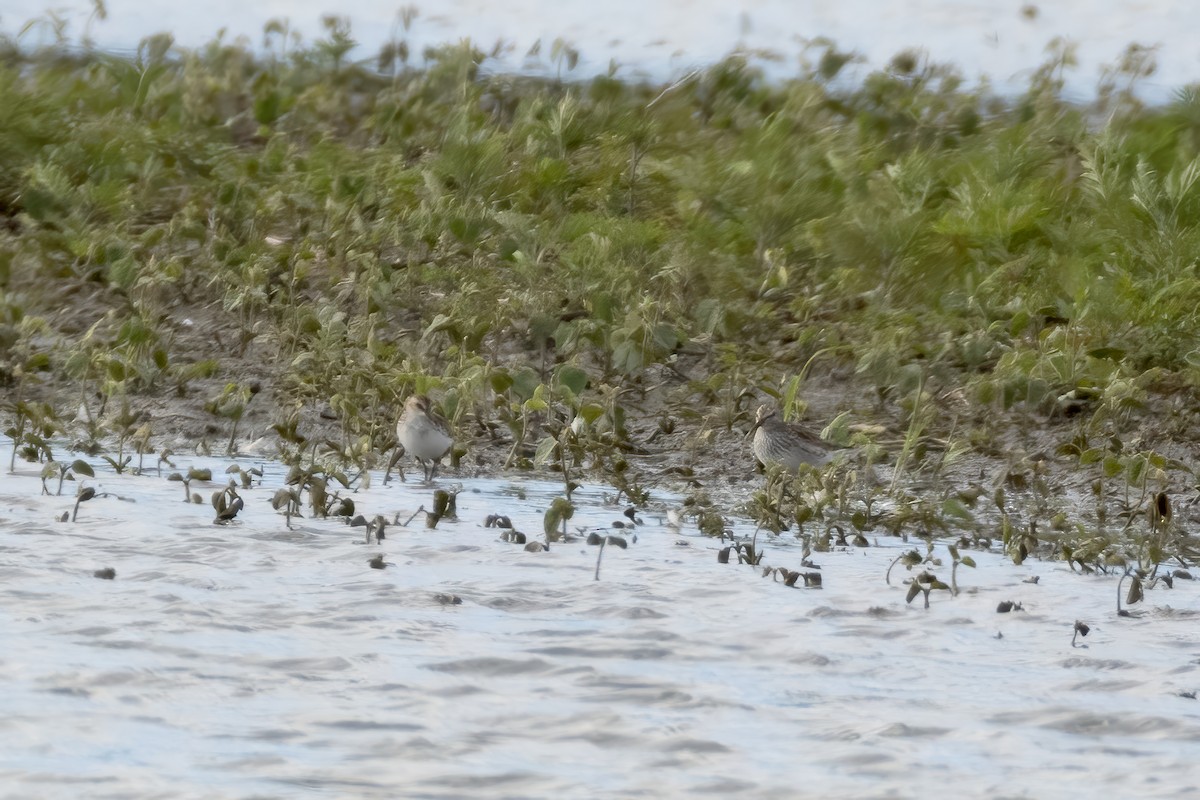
pixel 251 660
pixel 664 39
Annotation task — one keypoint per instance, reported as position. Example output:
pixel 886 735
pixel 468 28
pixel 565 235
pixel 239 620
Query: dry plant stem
pixel 673 87
pixel 1120 581
pixel 887 577
pixel 599 555
pixel 420 510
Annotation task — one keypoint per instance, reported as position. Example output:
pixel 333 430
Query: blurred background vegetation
pixel 342 232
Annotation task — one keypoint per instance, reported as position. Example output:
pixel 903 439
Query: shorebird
pixel 424 434
pixel 781 443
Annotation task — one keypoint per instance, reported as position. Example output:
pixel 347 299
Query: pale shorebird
pixel 784 444
pixel 424 434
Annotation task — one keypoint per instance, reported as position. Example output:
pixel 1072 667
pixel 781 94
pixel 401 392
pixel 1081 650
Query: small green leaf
pixel 665 337
pixel 573 378
pixel 538 401
pixel 525 383
pixel 560 510
pixel 545 450
pixel 37 362
pixel 954 507
pixel 914 589
pixel 1112 466
pixel 591 412
pixel 501 381
pixel 1108 353
pixel 440 322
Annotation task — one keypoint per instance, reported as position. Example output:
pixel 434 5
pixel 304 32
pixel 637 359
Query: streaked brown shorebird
pixel 783 444
pixel 424 434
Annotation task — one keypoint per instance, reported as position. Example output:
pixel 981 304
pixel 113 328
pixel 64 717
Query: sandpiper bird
pixel 781 443
pixel 423 433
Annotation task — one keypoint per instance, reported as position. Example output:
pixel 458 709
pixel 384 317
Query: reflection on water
pixel 1004 41
pixel 252 660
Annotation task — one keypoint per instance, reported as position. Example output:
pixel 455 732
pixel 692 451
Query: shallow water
pixel 666 39
pixel 250 660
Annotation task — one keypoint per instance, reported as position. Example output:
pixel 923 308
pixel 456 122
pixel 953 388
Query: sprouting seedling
pixel 750 553
pixel 317 494
pixel 812 580
pixel 33 423
pixel 246 476
pixel 1081 629
pixel 141 443
pixel 1136 593
pixel 1160 525
pixel 85 493
pixel 911 558
pixel 554 521
pixel 164 458
pixel 287 500
pixel 444 505
pixel 746 554
pixel 340 506
pixel 596 539
pixel 925 583
pixel 227 504
pixel 65 472
pixel 231 404
pixel 956 559
pixel 497 521
pixel 1019 547
pixel 377 528
pixel 510 534
pixel 193 474
pixel 122 425
pixel 711 523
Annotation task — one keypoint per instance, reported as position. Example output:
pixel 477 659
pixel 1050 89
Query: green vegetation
pixel 582 271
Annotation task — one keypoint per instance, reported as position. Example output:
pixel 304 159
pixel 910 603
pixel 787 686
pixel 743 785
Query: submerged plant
pixel 600 541
pixel 65 472
pixel 84 494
